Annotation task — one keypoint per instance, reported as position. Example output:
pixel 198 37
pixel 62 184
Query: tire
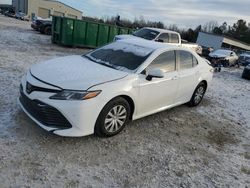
pixel 47 30
pixel 41 29
pixel 198 95
pixel 108 122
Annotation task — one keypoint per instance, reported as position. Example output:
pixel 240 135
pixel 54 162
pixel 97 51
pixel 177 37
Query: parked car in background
pixel 42 25
pixel 21 16
pixel 102 90
pixel 246 72
pixel 244 59
pixel 9 13
pixel 206 51
pixel 161 35
pixel 226 57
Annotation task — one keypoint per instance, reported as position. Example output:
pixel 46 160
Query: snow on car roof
pixel 161 30
pixel 146 43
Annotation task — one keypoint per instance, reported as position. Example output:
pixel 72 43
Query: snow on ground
pixel 206 146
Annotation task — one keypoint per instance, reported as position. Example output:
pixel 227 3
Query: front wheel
pixel 198 94
pixel 113 118
pixel 47 30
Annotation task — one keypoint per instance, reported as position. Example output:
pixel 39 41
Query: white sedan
pixel 227 57
pixel 101 91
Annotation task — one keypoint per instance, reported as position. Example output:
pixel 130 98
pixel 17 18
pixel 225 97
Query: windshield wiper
pixel 89 58
pixel 108 65
pixel 101 63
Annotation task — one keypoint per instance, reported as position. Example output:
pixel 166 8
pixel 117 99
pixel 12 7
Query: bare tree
pixel 209 26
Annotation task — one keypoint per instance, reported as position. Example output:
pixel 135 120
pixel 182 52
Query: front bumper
pixel 62 117
pixel 43 113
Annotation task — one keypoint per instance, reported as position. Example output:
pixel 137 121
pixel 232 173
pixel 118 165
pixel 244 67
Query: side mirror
pixel 159 40
pixel 154 73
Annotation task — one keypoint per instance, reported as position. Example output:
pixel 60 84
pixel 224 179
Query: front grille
pixel 45 114
pixel 30 88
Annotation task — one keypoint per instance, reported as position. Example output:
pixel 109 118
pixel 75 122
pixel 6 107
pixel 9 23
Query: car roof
pixel 161 30
pixel 245 54
pixel 148 44
pixel 224 50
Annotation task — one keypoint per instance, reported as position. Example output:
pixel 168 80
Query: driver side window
pixel 166 62
pixel 164 37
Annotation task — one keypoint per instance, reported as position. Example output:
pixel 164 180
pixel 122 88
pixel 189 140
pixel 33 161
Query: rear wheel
pixel 198 95
pixel 113 118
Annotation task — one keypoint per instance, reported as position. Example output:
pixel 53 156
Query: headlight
pixel 75 95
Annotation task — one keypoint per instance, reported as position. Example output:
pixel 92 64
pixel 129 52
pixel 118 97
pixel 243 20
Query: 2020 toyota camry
pixel 101 91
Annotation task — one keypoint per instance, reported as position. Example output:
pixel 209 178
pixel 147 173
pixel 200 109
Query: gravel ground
pixel 206 146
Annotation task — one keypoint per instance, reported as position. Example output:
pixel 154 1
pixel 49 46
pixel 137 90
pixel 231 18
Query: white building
pixel 218 42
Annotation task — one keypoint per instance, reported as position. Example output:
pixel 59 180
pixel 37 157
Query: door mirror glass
pixel 154 73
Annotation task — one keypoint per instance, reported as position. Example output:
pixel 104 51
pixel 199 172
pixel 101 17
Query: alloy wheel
pixel 199 94
pixel 115 119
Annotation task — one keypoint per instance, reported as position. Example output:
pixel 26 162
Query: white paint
pixel 76 72
pixel 191 46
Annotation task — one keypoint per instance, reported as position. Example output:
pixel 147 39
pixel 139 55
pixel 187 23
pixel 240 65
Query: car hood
pixel 74 73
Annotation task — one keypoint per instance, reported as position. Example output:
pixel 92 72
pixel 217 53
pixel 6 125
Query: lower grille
pixel 45 114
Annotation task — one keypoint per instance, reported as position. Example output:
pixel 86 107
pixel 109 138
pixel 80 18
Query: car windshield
pixel 120 55
pixel 148 34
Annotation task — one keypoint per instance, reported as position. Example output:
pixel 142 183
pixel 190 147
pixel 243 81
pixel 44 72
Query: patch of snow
pixel 129 48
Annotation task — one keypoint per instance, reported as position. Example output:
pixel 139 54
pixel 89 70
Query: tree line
pixel 239 30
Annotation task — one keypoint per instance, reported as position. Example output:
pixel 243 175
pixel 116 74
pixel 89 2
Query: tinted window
pixel 165 61
pixel 164 37
pixel 120 55
pixel 174 38
pixel 148 34
pixel 187 60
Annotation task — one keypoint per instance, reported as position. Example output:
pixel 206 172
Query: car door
pixel 159 92
pixel 188 74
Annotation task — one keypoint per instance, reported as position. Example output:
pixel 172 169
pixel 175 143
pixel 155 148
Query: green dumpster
pixel 81 33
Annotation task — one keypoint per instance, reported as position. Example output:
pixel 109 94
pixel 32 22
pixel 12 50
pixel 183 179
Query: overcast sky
pixel 183 13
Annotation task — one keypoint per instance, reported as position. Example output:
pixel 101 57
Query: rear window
pixel 187 60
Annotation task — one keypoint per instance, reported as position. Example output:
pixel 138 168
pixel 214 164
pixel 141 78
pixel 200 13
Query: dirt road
pixel 206 146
